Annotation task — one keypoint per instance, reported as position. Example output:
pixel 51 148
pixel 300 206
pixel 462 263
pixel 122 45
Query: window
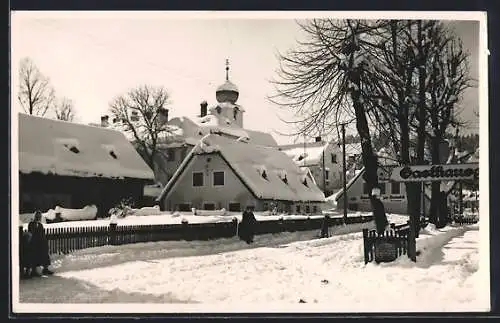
pixel 334 158
pixel 197 179
pixel 265 206
pixel 365 188
pixel 297 209
pixel 209 206
pixel 382 188
pixel 234 207
pixel 395 188
pixel 308 209
pixel 327 174
pixel 170 154
pixel 315 209
pixel 218 178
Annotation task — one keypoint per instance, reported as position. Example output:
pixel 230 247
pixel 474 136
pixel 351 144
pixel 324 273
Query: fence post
pixel 365 244
pixel 236 225
pixel 112 233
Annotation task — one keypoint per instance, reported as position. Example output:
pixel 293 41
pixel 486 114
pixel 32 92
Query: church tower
pixel 226 96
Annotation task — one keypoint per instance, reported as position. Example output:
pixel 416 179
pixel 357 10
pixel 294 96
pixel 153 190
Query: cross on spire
pixel 227 69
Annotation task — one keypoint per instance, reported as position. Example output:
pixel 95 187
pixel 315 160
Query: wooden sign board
pixel 385 251
pixel 430 173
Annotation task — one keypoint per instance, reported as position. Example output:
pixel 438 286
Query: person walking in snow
pixel 379 211
pixel 113 223
pixel 246 229
pixel 39 246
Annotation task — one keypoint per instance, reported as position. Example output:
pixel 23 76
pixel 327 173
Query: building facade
pixel 220 172
pixel 324 160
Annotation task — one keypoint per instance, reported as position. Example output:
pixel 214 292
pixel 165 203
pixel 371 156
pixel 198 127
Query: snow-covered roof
pixel 227 86
pixel 71 149
pixel 248 161
pixel 308 154
pixel 193 130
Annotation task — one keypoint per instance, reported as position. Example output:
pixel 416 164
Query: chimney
pixel 318 139
pixel 104 121
pixel 203 111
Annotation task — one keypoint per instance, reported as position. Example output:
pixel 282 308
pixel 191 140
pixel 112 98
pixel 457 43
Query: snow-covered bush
pixel 123 208
pixel 88 212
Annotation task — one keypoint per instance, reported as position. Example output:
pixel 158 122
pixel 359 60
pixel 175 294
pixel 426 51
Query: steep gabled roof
pixel 249 161
pixel 70 149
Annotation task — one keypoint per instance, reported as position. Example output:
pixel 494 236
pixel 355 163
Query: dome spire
pixel 227 69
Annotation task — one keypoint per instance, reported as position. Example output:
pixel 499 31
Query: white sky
pixel 93 58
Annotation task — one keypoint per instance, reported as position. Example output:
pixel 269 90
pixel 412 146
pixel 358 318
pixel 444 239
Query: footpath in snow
pixel 328 274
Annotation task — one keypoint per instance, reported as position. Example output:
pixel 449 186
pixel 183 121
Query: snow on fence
pixel 386 246
pixel 466 219
pixel 67 239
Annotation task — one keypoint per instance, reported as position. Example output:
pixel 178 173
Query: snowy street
pixel 278 271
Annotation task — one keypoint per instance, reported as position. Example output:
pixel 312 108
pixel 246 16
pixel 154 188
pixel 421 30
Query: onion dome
pixel 227 92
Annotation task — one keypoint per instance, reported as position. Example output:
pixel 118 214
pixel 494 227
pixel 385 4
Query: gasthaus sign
pixel 429 173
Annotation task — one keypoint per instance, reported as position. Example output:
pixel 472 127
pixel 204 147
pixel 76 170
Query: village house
pixel 74 165
pixel 220 172
pixel 324 160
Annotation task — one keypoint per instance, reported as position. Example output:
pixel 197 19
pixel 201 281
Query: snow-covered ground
pixel 271 275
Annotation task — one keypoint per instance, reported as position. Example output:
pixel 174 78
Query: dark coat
pixel 379 215
pixel 39 246
pixel 246 230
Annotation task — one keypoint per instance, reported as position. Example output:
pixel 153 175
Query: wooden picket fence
pixel 69 239
pixel 466 220
pixel 396 236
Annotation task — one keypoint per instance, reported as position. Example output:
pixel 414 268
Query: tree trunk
pixel 434 216
pixel 369 159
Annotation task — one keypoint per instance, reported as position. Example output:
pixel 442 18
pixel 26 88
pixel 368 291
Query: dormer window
pixel 282 175
pixel 305 182
pixel 264 174
pixel 235 113
pixel 111 151
pixel 69 143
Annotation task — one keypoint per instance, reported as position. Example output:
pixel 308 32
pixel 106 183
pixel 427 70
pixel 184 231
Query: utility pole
pixel 460 201
pixel 344 170
pixel 324 171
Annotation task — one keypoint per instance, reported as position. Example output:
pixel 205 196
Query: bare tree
pixel 36 95
pixel 142 112
pixel 324 80
pixel 64 109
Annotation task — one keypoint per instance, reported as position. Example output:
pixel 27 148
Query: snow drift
pixel 89 212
